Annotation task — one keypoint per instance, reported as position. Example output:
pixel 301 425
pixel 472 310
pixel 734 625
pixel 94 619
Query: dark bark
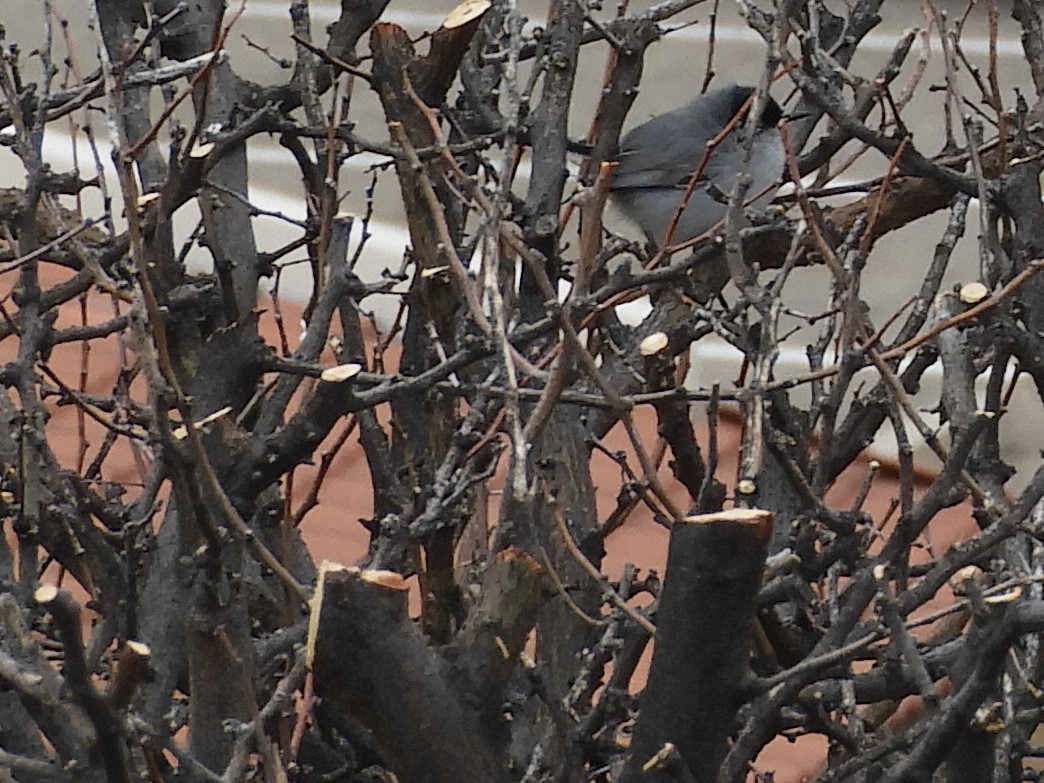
pixel 373 667
pixel 701 655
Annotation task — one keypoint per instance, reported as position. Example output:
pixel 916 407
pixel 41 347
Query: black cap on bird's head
pixel 738 97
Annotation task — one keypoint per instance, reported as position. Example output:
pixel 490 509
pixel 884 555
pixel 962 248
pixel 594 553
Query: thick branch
pixel 705 624
pixel 372 665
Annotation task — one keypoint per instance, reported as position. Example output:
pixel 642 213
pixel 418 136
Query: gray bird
pixel 658 157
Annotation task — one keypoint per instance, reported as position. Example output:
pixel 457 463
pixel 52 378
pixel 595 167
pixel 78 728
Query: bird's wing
pixel 649 159
pixel 640 172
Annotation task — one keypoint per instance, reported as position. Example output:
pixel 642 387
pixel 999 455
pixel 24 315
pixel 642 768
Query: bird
pixel 657 159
